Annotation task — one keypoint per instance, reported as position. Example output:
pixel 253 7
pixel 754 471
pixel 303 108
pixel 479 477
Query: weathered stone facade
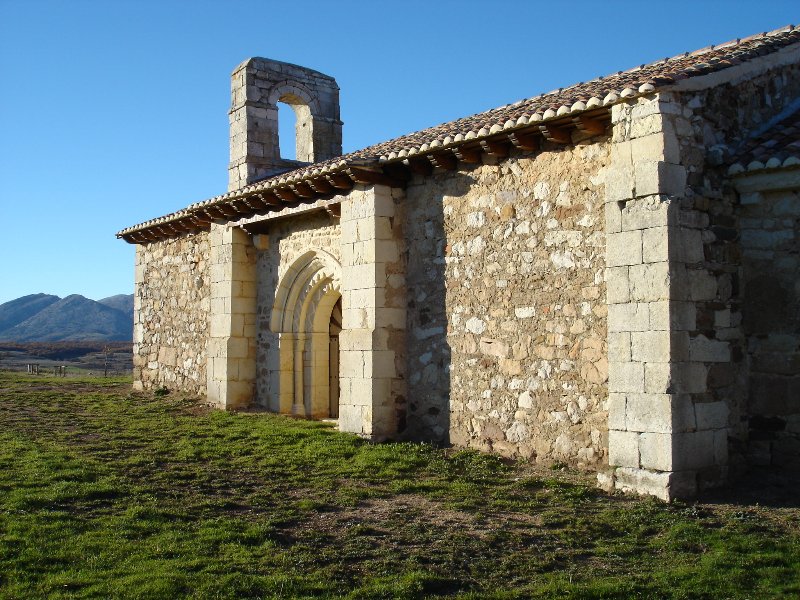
pixel 507 331
pixel 171 314
pixel 582 277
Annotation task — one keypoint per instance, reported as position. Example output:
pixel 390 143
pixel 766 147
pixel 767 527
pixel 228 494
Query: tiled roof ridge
pixel 573 100
pixel 777 147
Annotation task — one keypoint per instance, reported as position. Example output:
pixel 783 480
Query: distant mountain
pixel 73 318
pixel 16 311
pixel 123 302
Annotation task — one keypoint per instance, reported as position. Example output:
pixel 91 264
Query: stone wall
pixel 712 126
pixel 678 401
pixel 506 306
pixel 770 242
pixel 171 314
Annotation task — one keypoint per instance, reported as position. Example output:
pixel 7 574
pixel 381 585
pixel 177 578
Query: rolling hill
pixel 16 311
pixel 123 302
pixel 46 318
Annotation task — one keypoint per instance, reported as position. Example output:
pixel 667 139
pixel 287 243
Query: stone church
pixel 605 275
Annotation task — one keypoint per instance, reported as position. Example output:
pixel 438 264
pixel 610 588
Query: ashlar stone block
pixel 652 211
pixel 650 282
pixel 624 248
pixel 629 317
pixel 712 415
pixel 626 377
pixel 655 451
pixel 659 413
pixel 623 448
pixel 654 177
pixel 650 346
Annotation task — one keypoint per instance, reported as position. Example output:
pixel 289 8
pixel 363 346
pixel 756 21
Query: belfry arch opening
pixel 295 128
pixel 307 316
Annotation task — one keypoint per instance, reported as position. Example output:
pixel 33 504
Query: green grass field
pixel 109 494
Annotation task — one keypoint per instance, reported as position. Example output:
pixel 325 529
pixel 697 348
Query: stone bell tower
pixel 257 85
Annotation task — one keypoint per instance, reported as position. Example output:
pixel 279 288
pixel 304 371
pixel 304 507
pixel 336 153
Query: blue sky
pixel 115 112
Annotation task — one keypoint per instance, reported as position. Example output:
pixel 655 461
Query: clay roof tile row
pixel 777 147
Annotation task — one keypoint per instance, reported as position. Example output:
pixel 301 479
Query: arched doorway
pixel 334 328
pixel 307 317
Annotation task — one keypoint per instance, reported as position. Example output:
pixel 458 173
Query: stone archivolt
pixel 301 316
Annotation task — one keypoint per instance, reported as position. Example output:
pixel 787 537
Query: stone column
pixel 654 439
pixel 231 367
pixel 372 340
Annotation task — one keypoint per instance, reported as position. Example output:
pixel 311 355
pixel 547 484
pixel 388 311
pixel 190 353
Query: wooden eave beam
pixel 444 160
pixel 241 206
pixel 213 213
pixel 368 176
pixel 285 194
pixel 340 181
pixel 557 135
pixel 470 155
pixel 270 198
pixel 398 171
pixel 321 186
pixel 255 202
pixel 334 210
pixel 495 147
pixel 227 210
pixel 190 225
pixel 180 226
pixel 303 190
pixel 420 166
pixel 589 125
pixel 525 141
pixel 201 221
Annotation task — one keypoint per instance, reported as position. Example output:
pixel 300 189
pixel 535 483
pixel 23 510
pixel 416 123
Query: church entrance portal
pixel 307 316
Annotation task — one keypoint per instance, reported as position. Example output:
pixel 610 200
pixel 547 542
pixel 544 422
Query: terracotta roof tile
pixel 777 147
pixel 575 99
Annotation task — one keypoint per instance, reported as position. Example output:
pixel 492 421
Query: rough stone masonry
pixel 603 276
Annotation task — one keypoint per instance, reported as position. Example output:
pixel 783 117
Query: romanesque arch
pixel 304 316
pixel 305 106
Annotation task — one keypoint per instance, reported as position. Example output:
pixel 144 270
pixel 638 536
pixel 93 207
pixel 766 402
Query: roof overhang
pixel 312 187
